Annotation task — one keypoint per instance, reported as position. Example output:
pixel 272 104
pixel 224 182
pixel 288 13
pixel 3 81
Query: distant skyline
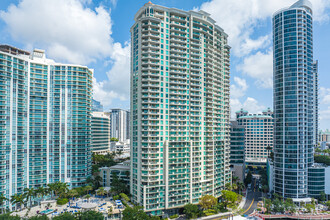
pixel 96 33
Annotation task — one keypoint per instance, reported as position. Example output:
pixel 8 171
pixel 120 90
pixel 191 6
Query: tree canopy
pixel 208 201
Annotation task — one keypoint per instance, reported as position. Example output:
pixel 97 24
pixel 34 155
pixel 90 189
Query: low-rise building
pixel 121 170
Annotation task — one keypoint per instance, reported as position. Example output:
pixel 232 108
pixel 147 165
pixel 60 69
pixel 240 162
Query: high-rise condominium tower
pixel 100 132
pixel 119 124
pixel 295 99
pixel 179 108
pixel 45 130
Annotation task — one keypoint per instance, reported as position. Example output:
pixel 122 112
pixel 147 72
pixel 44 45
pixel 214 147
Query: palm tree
pixel 88 188
pixel 234 186
pixel 2 202
pixel 101 191
pixel 17 199
pixel 62 188
pixel 240 186
pixel 228 186
pixel 235 179
pixel 88 197
pixel 268 148
pixel 51 188
pixel 72 193
pixel 41 192
pixel 29 194
pixel 97 181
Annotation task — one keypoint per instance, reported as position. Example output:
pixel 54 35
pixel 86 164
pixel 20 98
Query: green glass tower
pixel 179 108
pixel 45 121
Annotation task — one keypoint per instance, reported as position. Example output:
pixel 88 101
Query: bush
pixel 124 196
pixel 116 197
pixel 174 216
pixel 62 201
pixel 209 212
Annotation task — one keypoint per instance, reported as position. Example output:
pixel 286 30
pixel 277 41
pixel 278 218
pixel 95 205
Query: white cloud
pixel 324 95
pixel 250 104
pixel 65 28
pixel 239 18
pixel 69 31
pixel 118 85
pixel 238 89
pixel 260 67
pixel 325 115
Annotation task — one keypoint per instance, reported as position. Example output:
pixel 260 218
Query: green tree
pixel 228 186
pixel 9 217
pixel 191 211
pixel 235 179
pixel 229 197
pixel 64 216
pixel 40 192
pixel 248 178
pixel 268 204
pixel 72 193
pixel 29 193
pixel 208 201
pixel 3 199
pixel 118 185
pixel 90 215
pixel 322 197
pixel 88 188
pixel 113 139
pixel 240 187
pixel 328 204
pixel 40 217
pixel 135 213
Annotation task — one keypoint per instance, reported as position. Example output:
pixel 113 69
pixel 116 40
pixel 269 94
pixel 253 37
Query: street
pixel 252 199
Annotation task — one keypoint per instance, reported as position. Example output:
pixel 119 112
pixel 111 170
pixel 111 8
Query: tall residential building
pixel 118 124
pixel 295 102
pixel 100 132
pixel 97 106
pixel 258 135
pixel 237 150
pixel 179 108
pixel 45 121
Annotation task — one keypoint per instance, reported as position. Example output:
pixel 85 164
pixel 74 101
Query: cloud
pixel 324 95
pixel 118 85
pixel 65 28
pixel 260 67
pixel 239 19
pixel 70 31
pixel 325 114
pixel 238 89
pixel 250 104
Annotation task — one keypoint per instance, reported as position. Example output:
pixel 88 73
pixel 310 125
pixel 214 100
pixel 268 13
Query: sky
pixel 96 33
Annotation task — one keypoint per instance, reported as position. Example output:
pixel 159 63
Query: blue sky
pixel 96 33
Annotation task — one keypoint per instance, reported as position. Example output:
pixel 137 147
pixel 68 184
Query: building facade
pixel 100 132
pixel 97 106
pixel 237 150
pixel 119 124
pixel 45 121
pixel 295 103
pixel 121 170
pixel 258 135
pixel 179 108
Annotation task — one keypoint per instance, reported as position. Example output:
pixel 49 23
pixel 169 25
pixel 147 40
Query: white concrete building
pixel 179 108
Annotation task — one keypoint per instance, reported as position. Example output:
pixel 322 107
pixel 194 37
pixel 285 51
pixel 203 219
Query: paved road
pixel 252 199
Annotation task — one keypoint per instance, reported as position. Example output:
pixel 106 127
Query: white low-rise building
pixel 121 170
